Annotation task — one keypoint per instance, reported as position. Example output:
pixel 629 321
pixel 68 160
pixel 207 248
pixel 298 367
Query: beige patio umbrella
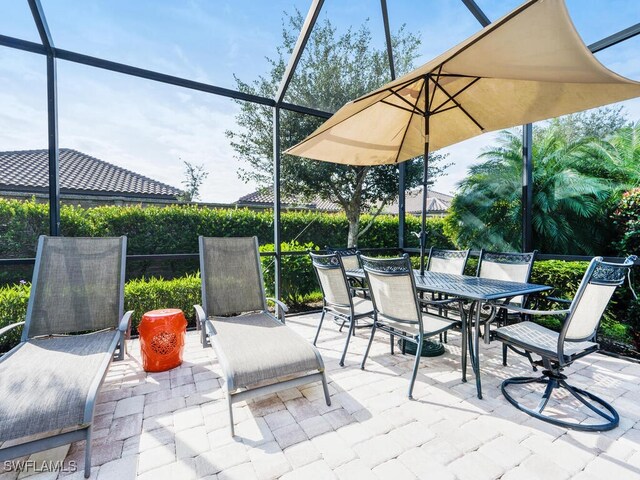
pixel 529 65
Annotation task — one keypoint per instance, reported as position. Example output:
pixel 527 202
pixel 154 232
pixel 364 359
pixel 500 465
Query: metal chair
pixel 447 261
pixel 350 256
pixel 337 297
pixel 575 340
pixel 257 352
pixel 351 261
pixel 393 292
pixel 508 266
pixel 511 267
pixel 75 323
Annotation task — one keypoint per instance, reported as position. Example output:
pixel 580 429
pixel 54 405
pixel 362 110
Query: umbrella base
pixel 429 348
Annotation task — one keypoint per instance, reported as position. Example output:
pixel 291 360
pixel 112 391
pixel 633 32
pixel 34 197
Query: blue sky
pixel 149 127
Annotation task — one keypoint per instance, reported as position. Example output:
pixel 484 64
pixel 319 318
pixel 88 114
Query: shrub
pixel 144 295
pixel 563 276
pixel 626 219
pixel 633 320
pixel 140 296
pixel 298 278
pixel 175 228
pixel 13 308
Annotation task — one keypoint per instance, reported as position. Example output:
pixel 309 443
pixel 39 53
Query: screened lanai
pixel 165 98
pixel 63 55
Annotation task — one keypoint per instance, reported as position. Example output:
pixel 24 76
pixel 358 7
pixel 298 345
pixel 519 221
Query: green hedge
pixel 626 219
pixel 175 228
pixel 144 295
pixel 140 296
pixel 298 279
pixel 13 308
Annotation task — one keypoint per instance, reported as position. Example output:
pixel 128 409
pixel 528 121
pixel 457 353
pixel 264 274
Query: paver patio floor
pixel 173 425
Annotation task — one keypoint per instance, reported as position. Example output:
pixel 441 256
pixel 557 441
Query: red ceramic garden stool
pixel 162 339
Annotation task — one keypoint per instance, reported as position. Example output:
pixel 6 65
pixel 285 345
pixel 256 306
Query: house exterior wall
pixel 87 201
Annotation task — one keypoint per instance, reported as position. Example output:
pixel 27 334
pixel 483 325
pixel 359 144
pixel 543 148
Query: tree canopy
pixel 581 165
pixel 334 69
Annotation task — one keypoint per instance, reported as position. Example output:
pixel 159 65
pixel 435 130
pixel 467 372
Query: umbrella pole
pixel 425 181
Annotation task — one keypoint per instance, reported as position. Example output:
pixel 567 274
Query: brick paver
pixel 175 424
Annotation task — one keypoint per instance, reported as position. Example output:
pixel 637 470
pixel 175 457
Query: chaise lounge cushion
pixel 46 381
pixel 257 348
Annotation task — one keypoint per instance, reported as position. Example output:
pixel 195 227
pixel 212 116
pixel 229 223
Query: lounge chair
pixel 254 348
pixel 49 381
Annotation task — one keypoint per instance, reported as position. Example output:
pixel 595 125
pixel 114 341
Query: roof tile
pixel 79 172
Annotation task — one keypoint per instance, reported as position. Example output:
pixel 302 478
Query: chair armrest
pixel 514 308
pixel 124 322
pixel 200 315
pixel 558 300
pixel 282 305
pixel 4 330
pixel 283 308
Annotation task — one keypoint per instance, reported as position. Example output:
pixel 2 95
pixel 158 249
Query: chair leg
pixel 87 454
pixel 504 354
pixel 319 327
pixel 230 405
pixel 554 379
pixel 416 364
pixel 203 336
pixel 366 352
pixel 445 336
pixel 341 326
pixel 346 342
pixel 392 342
pixel 533 365
pixel 325 387
pixel 122 349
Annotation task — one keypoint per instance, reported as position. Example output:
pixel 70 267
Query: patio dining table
pixel 478 292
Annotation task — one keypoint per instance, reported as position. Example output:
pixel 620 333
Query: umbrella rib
pixel 413 107
pixel 459 106
pixel 442 110
pixel 404 135
pixel 437 109
pixel 411 110
pixel 377 92
pixel 433 94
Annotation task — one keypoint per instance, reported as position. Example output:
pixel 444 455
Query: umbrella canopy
pixel 529 65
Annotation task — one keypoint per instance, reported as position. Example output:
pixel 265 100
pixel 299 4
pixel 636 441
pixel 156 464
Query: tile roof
pixel 28 170
pixel 264 198
pixel 436 202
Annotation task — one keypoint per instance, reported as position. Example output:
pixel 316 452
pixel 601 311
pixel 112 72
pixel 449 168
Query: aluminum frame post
pixel 54 153
pixel 527 188
pixel 298 49
pixel 52 116
pixel 277 227
pixel 402 167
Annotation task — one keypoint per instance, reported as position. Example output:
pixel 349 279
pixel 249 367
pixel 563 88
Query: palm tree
pixel 618 157
pixel 567 200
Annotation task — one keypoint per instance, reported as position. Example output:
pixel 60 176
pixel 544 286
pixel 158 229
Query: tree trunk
pixel 354 226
